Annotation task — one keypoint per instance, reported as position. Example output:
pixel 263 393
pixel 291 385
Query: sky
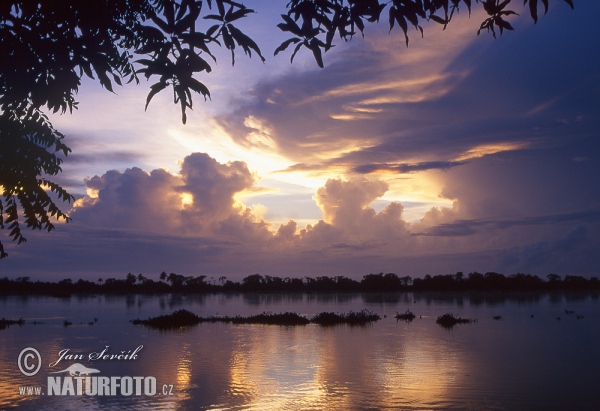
pixel 458 153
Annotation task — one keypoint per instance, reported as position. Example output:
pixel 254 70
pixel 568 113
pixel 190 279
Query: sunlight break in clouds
pixel 329 123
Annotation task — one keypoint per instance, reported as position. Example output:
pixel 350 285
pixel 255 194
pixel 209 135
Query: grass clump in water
pixel 352 318
pixel 449 320
pixel 4 323
pixel 181 318
pixel 269 318
pixel 407 316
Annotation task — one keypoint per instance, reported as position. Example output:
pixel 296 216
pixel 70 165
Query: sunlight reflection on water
pixel 518 362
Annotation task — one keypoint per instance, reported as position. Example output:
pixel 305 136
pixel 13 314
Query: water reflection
pixel 517 363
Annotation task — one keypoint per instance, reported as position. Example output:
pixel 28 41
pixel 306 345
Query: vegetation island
pixel 184 318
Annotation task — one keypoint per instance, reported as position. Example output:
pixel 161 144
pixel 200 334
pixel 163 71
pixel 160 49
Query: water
pixel 518 362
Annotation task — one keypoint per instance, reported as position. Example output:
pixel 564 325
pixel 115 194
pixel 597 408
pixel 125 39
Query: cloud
pixel 449 98
pixel 103 157
pixel 470 227
pixel 348 217
pixel 199 200
pixel 405 168
pixel 191 223
pixel 352 104
pixel 213 185
pixel 199 203
pixel 134 199
pixel 556 255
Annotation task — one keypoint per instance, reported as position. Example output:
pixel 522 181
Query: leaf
pixel 314 46
pixel 220 7
pixel 160 23
pixel 87 69
pixel 244 41
pixel 227 39
pixel 183 115
pixel 187 22
pixel 503 24
pixel 197 63
pixel 296 50
pixel 403 25
pixel 169 12
pixel 198 87
pixel 199 40
pixel 182 9
pixel 238 14
pixel 154 89
pixel 104 80
pixel 213 17
pixel 117 79
pixel 438 19
pixel 286 44
pixel 212 30
pixel 533 10
pixel 290 26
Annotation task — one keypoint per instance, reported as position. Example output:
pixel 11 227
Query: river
pixel 542 354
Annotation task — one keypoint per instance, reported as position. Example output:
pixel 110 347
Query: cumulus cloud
pixel 133 199
pixel 199 200
pixel 346 206
pixel 212 186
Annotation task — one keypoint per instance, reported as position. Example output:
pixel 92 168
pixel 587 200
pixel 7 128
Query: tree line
pixel 390 282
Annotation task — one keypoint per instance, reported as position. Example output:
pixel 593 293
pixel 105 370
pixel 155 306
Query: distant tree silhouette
pixel 256 283
pixel 253 282
pixel 47 46
pixel 130 278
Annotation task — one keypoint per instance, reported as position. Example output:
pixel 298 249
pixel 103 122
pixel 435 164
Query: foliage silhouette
pixel 314 23
pixel 47 46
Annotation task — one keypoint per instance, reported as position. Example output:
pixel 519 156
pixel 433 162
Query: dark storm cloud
pixel 407 168
pixel 78 251
pixel 556 255
pixel 104 157
pixel 472 227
